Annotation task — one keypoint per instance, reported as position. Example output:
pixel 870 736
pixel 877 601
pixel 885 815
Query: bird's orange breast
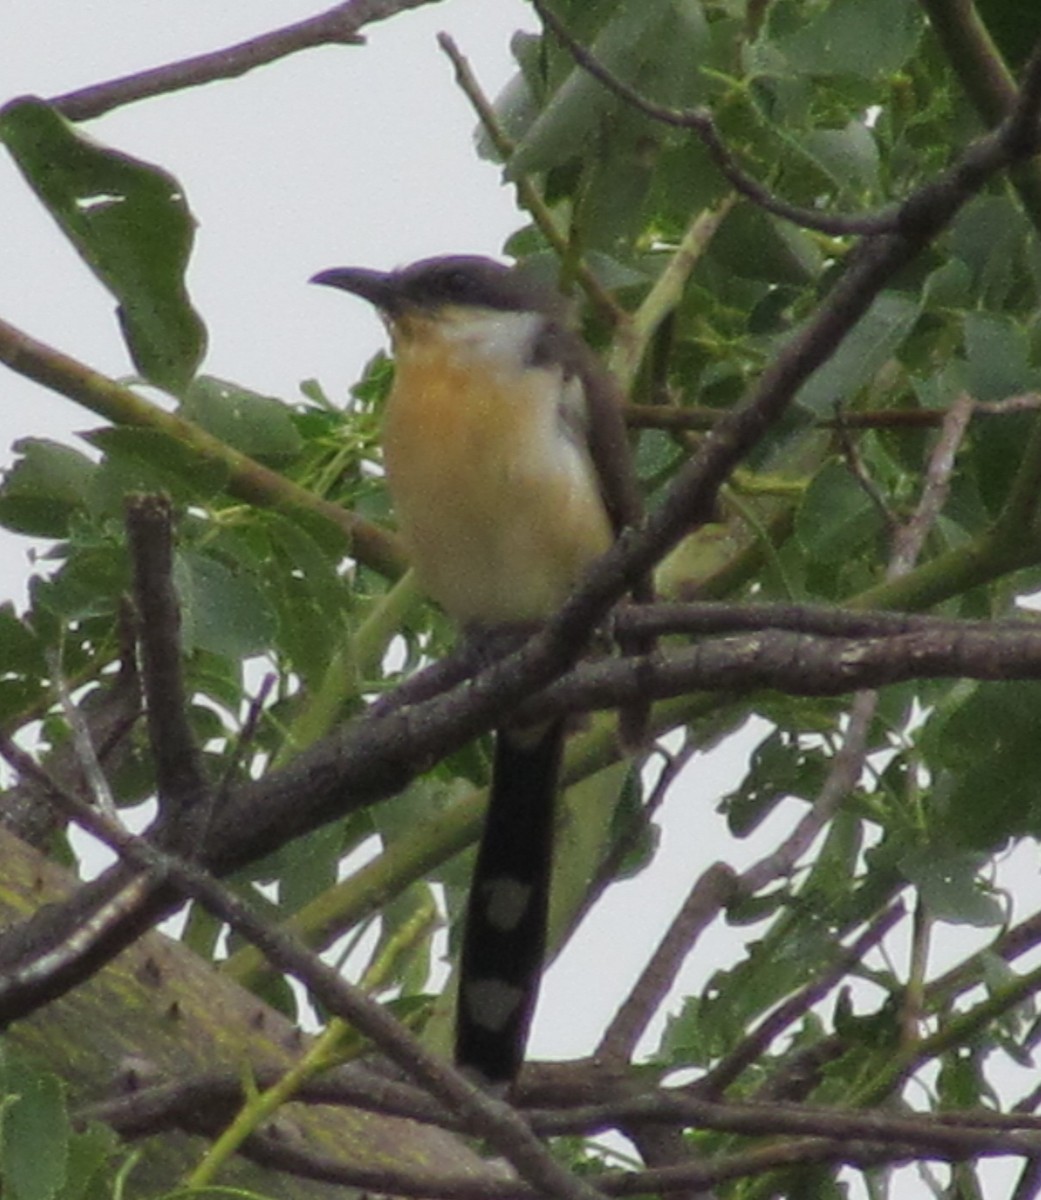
pixel 498 504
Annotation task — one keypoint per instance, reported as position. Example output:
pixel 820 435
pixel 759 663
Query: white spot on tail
pixel 505 902
pixel 490 1002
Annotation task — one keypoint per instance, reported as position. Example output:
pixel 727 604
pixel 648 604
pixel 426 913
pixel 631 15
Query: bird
pixel 510 472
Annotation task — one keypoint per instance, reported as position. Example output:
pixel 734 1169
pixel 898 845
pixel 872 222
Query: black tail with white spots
pixel 505 937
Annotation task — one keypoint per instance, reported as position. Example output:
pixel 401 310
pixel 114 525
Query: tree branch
pixel 487 1117
pixel 339 25
pixel 180 782
pixel 987 81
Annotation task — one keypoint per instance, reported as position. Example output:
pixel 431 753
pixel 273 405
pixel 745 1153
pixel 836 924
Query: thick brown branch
pixel 796 664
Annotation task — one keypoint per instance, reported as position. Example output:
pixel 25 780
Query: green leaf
pixel 780 766
pixel 44 488
pixel 34 1150
pixel 257 425
pixel 146 460
pixel 867 348
pixel 992 238
pixel 849 37
pixel 22 649
pixel 89 1153
pixel 951 886
pixel 90 584
pixel 308 866
pixel 756 245
pixel 310 563
pixel 129 222
pixel 836 518
pixel 19 696
pixel 848 156
pixel 987 759
pixel 998 352
pixel 579 105
pixel 960 1081
pixel 224 612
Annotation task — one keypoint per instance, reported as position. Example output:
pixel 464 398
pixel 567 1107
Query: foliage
pixel 840 108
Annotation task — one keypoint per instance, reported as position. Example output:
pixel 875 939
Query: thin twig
pixel 712 892
pixel 339 25
pixel 858 469
pixel 909 540
pixel 82 740
pixel 842 777
pixel 1028 1185
pixel 527 193
pixel 752 1047
pixel 700 418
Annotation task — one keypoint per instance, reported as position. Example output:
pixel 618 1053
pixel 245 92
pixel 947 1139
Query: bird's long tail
pixel 505 937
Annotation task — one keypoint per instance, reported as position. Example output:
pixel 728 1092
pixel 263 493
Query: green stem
pixel 979 562
pixel 355 659
pixel 1016 524
pixel 427 844
pixel 633 337
pixel 326 1051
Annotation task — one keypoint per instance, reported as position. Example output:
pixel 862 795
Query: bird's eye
pixel 457 284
